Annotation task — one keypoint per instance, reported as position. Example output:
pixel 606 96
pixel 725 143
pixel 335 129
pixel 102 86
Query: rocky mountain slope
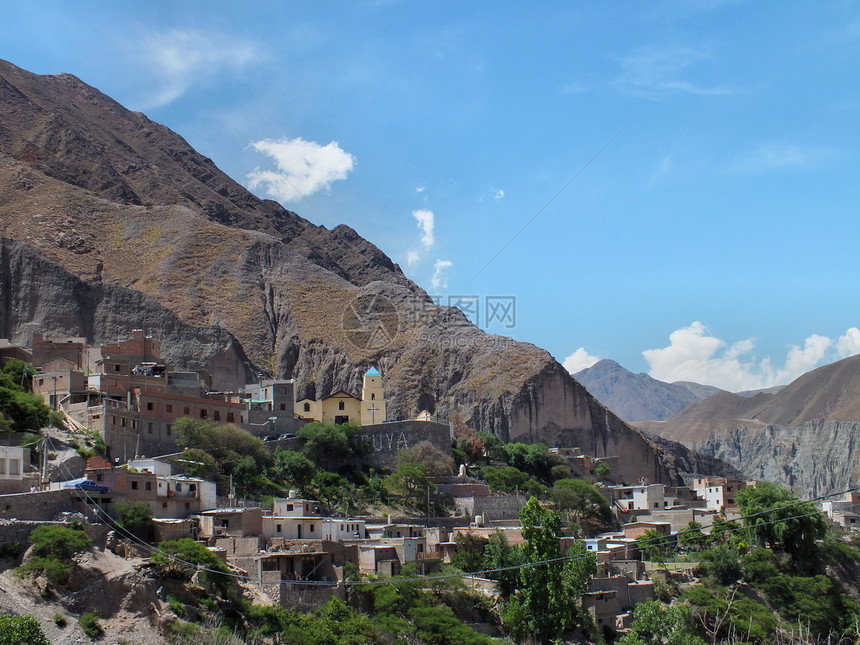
pixel 113 222
pixel 806 435
pixel 639 397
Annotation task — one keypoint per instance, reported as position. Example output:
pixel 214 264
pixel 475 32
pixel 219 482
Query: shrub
pixel 135 518
pixel 89 622
pixel 60 620
pixel 53 548
pixel 21 630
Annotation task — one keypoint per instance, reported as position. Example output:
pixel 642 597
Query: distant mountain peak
pixel 638 397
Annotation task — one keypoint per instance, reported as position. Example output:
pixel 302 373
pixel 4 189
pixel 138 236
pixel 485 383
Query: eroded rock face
pixel 113 223
pixel 817 458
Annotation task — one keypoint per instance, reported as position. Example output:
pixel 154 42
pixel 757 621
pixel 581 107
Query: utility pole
pixel 44 477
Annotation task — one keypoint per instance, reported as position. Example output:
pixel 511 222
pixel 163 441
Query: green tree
pixel 602 469
pixel 776 517
pixel 53 548
pixel 21 409
pixel 655 546
pixel 582 502
pixel 295 468
pixel 469 555
pixel 692 538
pixel 410 481
pixel 180 559
pixel 501 560
pixel 436 463
pixel 723 564
pixel 21 630
pixel 654 624
pixel 328 444
pixel 510 479
pixel 136 518
pixel 545 606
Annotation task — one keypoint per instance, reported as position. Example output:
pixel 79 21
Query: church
pixel 342 407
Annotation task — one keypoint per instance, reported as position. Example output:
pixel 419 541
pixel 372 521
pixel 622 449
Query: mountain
pixel 639 397
pixel 806 435
pixel 112 222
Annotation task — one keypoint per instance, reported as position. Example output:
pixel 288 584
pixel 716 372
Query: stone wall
pixel 18 531
pixel 41 506
pixel 388 438
pixel 502 507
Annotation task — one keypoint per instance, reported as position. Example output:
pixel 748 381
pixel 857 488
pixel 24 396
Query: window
pixel 241 418
pixel 149 405
pixel 307 407
pixel 186 411
pixel 2 466
pixel 373 396
pixel 163 504
pixel 149 427
pixel 116 367
pixel 113 420
pixel 230 417
pixel 148 485
pixel 41 381
pixel 204 413
pixel 122 422
pixel 283 406
pixel 133 485
pixel 217 415
pixel 277 528
pixel 134 424
pixel 178 488
pixel 311 529
pixel 225 524
pixel 99 477
pixel 168 408
pixel 192 487
pixel 187 505
pixel 289 508
pixel 340 405
pixel 169 429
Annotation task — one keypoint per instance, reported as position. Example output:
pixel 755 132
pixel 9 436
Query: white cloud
pixel 579 360
pixel 420 189
pixel 412 258
pixel 774 155
pixel 499 194
pixel 849 344
pixel 653 72
pixel 426 222
pixel 438 281
pixel 182 58
pixel 302 168
pixel 693 354
pixel 663 169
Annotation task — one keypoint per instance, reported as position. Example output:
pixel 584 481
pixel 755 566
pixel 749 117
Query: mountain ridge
pixel 110 198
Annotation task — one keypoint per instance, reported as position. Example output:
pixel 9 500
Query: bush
pixel 60 620
pixel 135 518
pixel 53 548
pixel 21 630
pixel 180 557
pixel 89 622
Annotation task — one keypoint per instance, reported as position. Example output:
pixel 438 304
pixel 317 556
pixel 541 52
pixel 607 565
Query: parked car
pixel 88 486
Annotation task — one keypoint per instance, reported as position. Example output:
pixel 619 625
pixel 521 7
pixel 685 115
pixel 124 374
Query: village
pixel 298 550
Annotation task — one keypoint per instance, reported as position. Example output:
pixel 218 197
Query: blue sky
pixel 713 239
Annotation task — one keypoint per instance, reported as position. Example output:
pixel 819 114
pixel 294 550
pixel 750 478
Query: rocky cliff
pixel 804 436
pixel 112 222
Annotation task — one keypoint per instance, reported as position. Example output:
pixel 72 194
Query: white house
pixel 14 462
pixel 718 492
